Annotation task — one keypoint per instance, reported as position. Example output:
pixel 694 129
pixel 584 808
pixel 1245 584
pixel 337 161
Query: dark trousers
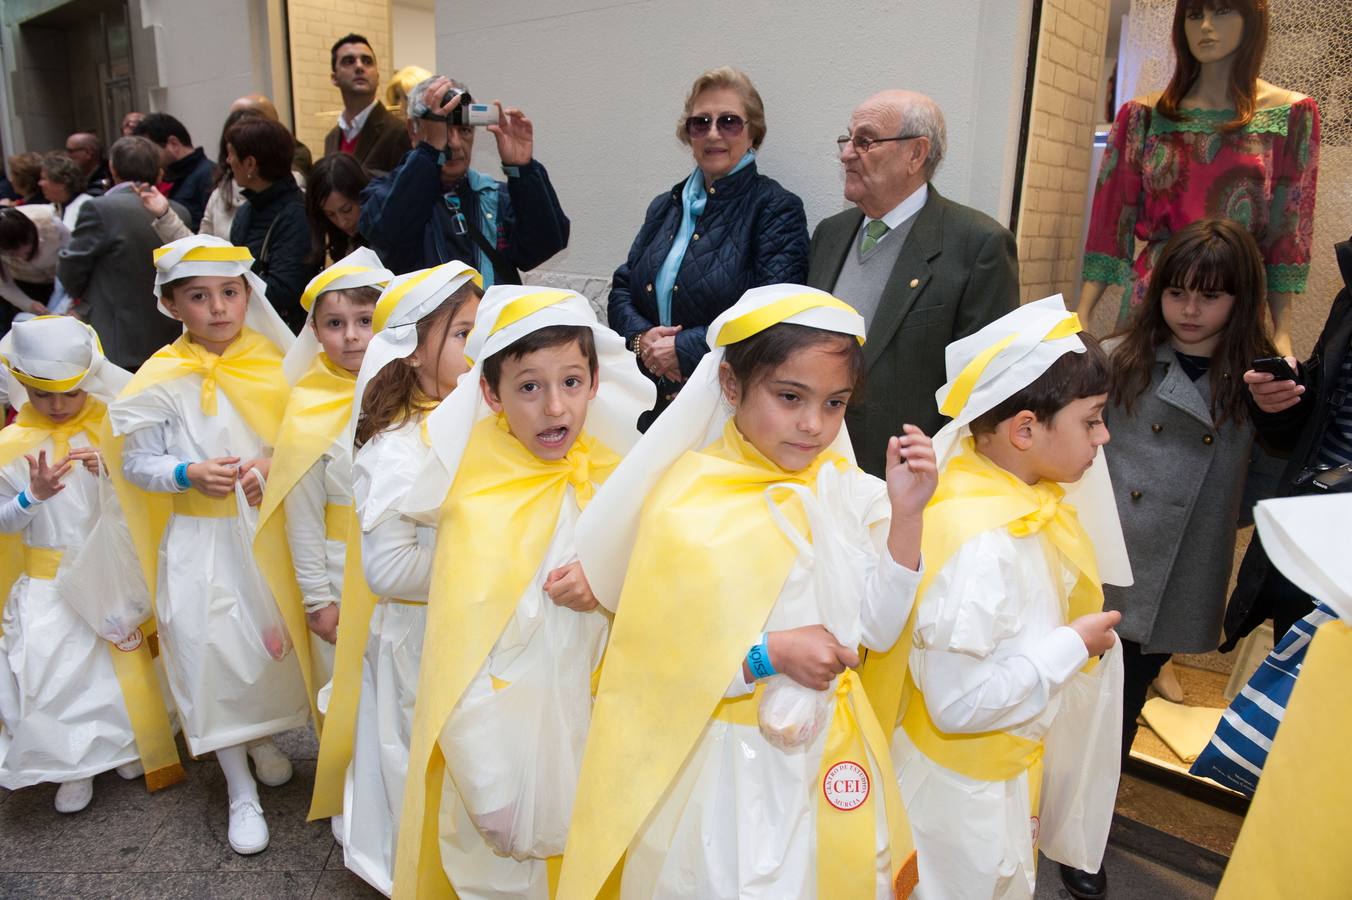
pixel 1139 670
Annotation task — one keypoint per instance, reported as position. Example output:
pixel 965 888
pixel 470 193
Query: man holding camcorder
pixel 434 208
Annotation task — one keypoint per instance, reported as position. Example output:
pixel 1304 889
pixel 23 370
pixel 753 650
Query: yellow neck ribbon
pixel 134 668
pixel 495 528
pixel 975 496
pixel 316 416
pixel 707 568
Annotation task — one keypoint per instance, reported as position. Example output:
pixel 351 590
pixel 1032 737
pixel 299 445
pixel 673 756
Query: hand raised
pixel 151 199
pixel 1271 395
pixel 44 481
pixel 515 135
pixel 911 470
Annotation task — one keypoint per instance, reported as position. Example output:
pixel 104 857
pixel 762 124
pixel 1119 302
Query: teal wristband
pixel 758 660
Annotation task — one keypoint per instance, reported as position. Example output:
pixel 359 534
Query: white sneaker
pixel 73 796
pixel 336 823
pixel 248 829
pixel 132 770
pixel 270 764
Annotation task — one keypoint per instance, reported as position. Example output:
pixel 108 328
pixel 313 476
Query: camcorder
pixel 467 113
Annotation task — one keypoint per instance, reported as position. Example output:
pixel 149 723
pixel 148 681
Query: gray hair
pixel 920 115
pixel 62 169
pixel 414 105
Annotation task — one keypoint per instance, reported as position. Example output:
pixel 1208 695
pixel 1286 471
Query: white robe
pixel 317 560
pixel 226 690
pixel 740 820
pixel 991 653
pixel 474 869
pixel 62 716
pixel 397 556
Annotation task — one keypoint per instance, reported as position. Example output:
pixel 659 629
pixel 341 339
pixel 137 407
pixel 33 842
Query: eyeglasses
pixel 863 144
pixel 728 125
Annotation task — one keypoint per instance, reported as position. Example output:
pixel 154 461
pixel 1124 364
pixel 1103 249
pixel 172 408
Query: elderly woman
pixel 710 238
pixel 63 184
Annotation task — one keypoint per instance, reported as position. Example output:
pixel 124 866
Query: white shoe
pixel 248 829
pixel 336 823
pixel 73 796
pixel 132 770
pixel 270 764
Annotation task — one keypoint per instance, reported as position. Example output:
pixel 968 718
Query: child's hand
pixel 214 477
pixel 912 473
pixel 324 622
pixel 151 199
pixel 45 482
pixel 1096 630
pixel 253 486
pixel 809 655
pixel 1271 395
pixel 567 586
pixel 90 457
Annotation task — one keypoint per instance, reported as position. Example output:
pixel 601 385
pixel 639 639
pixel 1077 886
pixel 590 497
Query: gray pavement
pixel 130 845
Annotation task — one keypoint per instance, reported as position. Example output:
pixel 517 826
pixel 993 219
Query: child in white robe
pixel 195 421
pixel 733 752
pixel 413 360
pixel 63 714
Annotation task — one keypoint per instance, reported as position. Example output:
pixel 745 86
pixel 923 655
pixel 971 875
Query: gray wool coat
pixel 1179 481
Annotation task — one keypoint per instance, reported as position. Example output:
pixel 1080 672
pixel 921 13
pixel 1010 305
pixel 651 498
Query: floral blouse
pixel 1159 175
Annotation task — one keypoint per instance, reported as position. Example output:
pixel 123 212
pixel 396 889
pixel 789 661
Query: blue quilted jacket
pixel 753 232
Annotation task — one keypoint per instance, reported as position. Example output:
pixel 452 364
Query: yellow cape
pixel 495 528
pixel 708 566
pixel 134 668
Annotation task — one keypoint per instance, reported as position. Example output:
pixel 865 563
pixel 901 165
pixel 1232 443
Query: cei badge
pixel 846 785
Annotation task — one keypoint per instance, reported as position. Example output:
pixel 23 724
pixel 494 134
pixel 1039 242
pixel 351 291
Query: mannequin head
pixel 1208 32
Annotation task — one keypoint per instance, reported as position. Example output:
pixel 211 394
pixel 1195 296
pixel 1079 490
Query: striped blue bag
pixel 1237 751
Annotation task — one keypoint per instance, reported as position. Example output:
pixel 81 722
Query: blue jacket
pixel 753 232
pixel 407 218
pixel 191 179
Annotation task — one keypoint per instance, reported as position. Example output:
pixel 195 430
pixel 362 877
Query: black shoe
pixel 1085 885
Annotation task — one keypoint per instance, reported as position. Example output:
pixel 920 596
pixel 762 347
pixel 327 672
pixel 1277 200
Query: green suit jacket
pixel 957 271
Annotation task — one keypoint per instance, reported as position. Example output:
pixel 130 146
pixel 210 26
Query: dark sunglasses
pixel 728 125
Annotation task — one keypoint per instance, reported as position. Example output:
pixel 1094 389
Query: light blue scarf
pixel 693 198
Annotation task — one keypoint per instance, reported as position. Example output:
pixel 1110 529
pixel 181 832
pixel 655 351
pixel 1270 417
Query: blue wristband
pixel 181 476
pixel 758 660
pixel 25 502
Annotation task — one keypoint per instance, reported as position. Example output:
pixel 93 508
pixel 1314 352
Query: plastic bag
pixel 256 602
pixel 1082 761
pixel 519 792
pixel 838 558
pixel 102 581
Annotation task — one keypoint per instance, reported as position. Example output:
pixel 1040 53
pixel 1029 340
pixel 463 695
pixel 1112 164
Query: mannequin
pixel 1217 142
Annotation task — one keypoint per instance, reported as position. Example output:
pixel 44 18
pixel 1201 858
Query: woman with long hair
pixel 333 206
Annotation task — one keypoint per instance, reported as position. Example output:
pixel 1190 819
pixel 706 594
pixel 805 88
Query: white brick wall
pixel 314 26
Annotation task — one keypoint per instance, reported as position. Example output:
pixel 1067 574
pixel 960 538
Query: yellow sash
pixel 133 667
pixel 316 416
pixel 975 496
pixel 708 566
pixel 495 528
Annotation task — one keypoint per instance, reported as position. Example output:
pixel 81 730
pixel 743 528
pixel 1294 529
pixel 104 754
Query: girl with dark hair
pixel 1181 442
pixel 1218 142
pixel 333 206
pixel 31 236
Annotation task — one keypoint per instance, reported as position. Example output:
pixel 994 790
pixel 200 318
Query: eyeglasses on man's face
pixel 863 144
pixel 729 126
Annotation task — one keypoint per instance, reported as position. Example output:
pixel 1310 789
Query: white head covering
pixel 506 314
pixel 989 367
pixel 58 354
pixel 695 419
pixel 1306 539
pixel 360 268
pixel 204 254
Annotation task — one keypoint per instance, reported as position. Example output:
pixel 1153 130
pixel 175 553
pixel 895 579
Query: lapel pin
pixel 915 282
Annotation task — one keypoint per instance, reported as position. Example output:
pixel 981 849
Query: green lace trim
pixel 1105 268
pixel 1287 278
pixel 1204 121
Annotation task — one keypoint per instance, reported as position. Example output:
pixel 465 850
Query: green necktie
pixel 873 232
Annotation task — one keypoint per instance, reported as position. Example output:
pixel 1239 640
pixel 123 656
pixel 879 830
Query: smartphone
pixel 1277 367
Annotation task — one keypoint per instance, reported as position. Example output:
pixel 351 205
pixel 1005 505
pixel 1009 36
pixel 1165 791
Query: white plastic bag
pixel 256 602
pixel 1082 754
pixel 838 557
pixel 515 753
pixel 102 581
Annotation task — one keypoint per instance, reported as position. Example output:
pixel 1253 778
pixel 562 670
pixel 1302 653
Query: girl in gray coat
pixel 1181 442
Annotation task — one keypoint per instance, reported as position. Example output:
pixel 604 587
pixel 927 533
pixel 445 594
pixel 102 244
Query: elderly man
pixel 108 263
pixel 87 150
pixel 301 158
pixel 924 271
pixel 434 208
pixel 130 121
pixel 365 128
pixel 188 175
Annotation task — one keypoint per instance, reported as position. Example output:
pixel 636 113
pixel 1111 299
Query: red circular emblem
pixel 132 642
pixel 846 785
